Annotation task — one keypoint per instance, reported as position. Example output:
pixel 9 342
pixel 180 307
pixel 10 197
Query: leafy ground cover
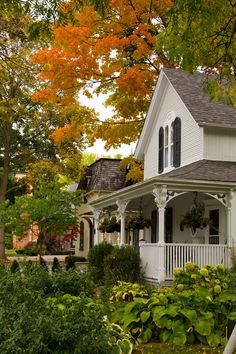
pixel 72 308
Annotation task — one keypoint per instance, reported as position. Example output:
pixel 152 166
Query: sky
pixel 97 102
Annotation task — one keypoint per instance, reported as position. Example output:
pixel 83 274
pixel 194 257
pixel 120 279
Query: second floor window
pixel 170 145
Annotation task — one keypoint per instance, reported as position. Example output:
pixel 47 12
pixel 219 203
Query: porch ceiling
pixel 144 189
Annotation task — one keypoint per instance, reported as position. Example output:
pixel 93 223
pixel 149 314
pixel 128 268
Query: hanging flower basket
pixel 109 225
pixel 194 218
pixel 138 223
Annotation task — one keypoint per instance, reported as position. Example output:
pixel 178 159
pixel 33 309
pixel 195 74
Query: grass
pixel 165 348
pixel 12 253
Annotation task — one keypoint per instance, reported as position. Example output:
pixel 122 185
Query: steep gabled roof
pixel 190 88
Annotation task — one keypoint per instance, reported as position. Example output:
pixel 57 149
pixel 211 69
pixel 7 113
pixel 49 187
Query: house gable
pixel 208 129
pixel 165 107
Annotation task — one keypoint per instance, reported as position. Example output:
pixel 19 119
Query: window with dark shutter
pixel 177 142
pixel 81 236
pixel 161 150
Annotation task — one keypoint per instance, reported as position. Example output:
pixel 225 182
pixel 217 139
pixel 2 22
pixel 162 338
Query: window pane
pixel 166 136
pixel 166 157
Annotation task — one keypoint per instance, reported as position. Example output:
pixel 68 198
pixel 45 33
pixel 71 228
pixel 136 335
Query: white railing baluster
pixel 177 254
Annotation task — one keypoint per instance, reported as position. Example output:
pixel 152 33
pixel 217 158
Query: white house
pixel 189 149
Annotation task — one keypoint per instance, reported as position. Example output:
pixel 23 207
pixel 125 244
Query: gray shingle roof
pixel 207 170
pixel 190 89
pixel 103 175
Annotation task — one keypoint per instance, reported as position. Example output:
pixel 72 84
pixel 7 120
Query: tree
pixel 201 34
pixel 115 51
pixel 25 125
pixel 50 211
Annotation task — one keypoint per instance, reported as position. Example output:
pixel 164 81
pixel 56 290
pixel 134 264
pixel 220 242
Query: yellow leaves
pixel 135 169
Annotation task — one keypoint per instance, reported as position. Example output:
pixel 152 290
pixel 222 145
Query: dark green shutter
pixel 177 142
pixel 161 150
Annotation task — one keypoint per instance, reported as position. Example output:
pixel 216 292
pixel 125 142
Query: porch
pixel 166 244
pixel 159 261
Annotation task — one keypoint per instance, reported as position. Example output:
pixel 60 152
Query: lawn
pixel 12 253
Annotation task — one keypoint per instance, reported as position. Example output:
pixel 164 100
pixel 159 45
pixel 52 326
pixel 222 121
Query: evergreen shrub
pixel 122 264
pixel 55 265
pixel 15 267
pixel 96 259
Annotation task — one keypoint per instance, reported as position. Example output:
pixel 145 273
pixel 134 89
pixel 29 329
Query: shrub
pixel 123 264
pixel 31 249
pixel 15 267
pixel 209 277
pixel 72 282
pixel 33 323
pixel 56 265
pixel 43 263
pixel 70 262
pixel 96 258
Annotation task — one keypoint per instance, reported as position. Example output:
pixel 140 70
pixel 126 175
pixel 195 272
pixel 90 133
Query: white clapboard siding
pixel 171 106
pixel 220 144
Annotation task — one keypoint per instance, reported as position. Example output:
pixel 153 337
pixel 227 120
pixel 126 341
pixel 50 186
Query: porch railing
pixel 175 255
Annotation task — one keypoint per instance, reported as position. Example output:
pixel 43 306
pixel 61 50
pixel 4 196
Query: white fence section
pixel 177 254
pixel 149 259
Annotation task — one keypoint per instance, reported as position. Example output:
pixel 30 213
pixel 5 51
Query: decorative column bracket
pixel 122 204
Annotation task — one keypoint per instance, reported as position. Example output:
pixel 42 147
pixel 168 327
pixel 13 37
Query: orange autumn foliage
pixel 116 51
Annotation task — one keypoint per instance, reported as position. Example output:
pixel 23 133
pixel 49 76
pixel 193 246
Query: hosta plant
pixel 125 291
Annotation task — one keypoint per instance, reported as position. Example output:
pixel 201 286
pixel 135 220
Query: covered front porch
pixel 165 245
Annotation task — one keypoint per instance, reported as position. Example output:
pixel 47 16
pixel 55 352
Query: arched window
pixel 161 150
pixel 81 236
pixel 170 145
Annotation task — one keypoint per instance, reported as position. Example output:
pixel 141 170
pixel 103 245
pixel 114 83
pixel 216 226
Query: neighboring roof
pixel 190 88
pixel 205 170
pixel 103 175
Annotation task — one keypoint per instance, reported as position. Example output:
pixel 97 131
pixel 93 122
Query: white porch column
pixel 97 213
pixel 121 208
pixel 160 194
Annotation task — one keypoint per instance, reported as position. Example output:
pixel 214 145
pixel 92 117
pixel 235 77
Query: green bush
pixel 43 263
pixel 56 265
pixel 73 282
pixel 213 278
pixel 31 249
pixel 96 258
pixel 15 267
pixel 71 261
pixel 123 264
pixel 30 322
